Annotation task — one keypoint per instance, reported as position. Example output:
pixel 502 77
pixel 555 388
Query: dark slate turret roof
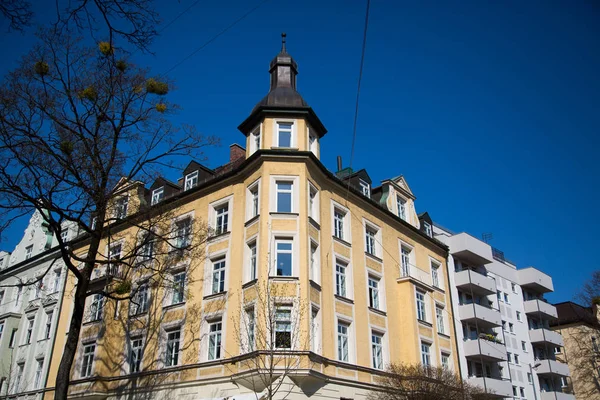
pixel 283 98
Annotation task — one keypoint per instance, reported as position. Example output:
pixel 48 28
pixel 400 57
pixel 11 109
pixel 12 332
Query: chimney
pixel 339 163
pixel 236 152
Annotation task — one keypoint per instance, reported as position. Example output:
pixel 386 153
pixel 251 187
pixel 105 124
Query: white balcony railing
pixel 413 272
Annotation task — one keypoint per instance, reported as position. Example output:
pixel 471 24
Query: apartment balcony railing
pixel 552 367
pixel 472 281
pixel 540 309
pixel 103 275
pixel 414 273
pixel 485 349
pixel 534 279
pixel 470 249
pixel 484 316
pixel 546 336
pixel 497 386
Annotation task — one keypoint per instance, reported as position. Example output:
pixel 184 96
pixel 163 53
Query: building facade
pixel 580 328
pixel 502 322
pixel 31 284
pixel 309 282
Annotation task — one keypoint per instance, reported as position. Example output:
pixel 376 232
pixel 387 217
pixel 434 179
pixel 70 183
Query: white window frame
pixel 341 334
pixel 421 305
pixel 29 330
pixel 314 259
pixel 252 269
pixel 28 252
pixel 365 187
pixel 183 229
pixel 255 144
pixel 175 351
pixel 121 206
pixel 426 359
pixel 158 195
pixel 38 373
pixel 64 234
pixel 96 307
pixel 177 287
pixel 440 319
pixel 315 329
pixel 283 191
pixel 374 292
pixel 249 318
pixel 56 280
pixel 407 259
pixel 402 200
pixel 293 133
pixel 312 141
pixel 342 272
pixel 218 275
pixel 221 220
pixel 313 202
pixel 428 229
pixel 287 308
pixel 87 359
pixel 136 354
pixel 284 240
pixel 141 300
pixel 48 325
pixel 377 349
pixel 445 356
pixel 215 339
pixel 191 180
pixel 437 276
pixel 253 200
pixel 294 179
pixel 346 231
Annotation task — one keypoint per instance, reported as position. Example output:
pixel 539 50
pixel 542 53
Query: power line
pixel 212 39
pixel 179 16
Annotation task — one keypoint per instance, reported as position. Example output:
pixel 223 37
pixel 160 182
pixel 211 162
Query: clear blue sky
pixel 491 110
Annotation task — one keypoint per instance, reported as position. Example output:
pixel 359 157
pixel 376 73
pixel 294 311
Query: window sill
pixel 425 323
pixel 139 315
pixel 289 215
pixel 342 241
pixel 374 257
pixel 219 236
pixel 315 285
pixel 284 148
pixel 283 278
pixel 173 306
pixel 378 311
pixel 344 299
pixel 444 335
pixel 314 223
pixel 439 289
pixel 215 295
pixel 91 322
pixel 252 220
pixel 249 284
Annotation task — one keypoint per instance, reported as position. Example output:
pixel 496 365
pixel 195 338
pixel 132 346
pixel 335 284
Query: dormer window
pixel 285 134
pixel 157 195
pixel 28 252
pixel 365 188
pixel 427 228
pixel 312 142
pixel 255 140
pixel 121 207
pixel 401 203
pixel 64 235
pixel 191 180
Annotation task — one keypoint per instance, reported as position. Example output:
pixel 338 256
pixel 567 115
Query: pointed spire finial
pixel 283 35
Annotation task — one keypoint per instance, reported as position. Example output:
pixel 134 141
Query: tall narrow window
pixel 340 278
pixel 377 350
pixel 48 330
pixel 365 188
pixel 314 261
pixel 173 346
pixel 56 285
pixel 370 240
pixel 191 180
pixel 121 205
pixel 19 293
pixel 255 140
pixel 218 276
pixel 435 275
pixel 251 326
pixel 283 328
pixel 87 360
pixel 96 307
pixel 427 229
pixel 284 196
pixel 439 317
pixel 147 247
pixel 342 341
pixel 338 223
pixel 114 255
pixel 312 142
pixel 19 379
pixel 28 252
pixel 401 204
pixel 1 296
pixel 313 203
pixel 38 374
pixel 284 134
pixel 405 261
pixel 425 354
pixel 141 300
pixel 13 336
pixel 64 235
pixel 283 257
pixel 1 328
pixel 253 201
pixel 157 195
pixel 221 219
pixel 183 232
pixel 315 331
pixel 214 340
pixel 421 314
pixel 135 357
pixel 252 261
pixel 29 332
pixel 373 292
pixel 178 289
pixel 446 360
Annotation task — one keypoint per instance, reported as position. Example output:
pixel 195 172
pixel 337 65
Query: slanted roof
pixel 571 313
pixel 160 181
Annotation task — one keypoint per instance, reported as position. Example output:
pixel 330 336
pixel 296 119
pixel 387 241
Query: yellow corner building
pixel 308 285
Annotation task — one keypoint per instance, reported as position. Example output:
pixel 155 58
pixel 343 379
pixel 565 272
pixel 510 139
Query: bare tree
pixel 17 12
pixel 132 21
pixel 80 130
pixel 419 382
pixel 272 332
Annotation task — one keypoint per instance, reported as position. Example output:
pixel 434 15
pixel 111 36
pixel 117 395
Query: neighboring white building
pixel 501 322
pixel 29 309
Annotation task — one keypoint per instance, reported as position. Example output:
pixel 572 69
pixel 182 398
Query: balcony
pixel 556 396
pixel 103 276
pixel 470 249
pixel 480 284
pixel 415 274
pixel 485 349
pixel 540 309
pixel 485 316
pixel 496 386
pixel 546 336
pixel 552 367
pixel 536 280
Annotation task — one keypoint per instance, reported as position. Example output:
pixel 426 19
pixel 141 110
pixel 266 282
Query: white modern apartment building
pixel 501 322
pixel 31 282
